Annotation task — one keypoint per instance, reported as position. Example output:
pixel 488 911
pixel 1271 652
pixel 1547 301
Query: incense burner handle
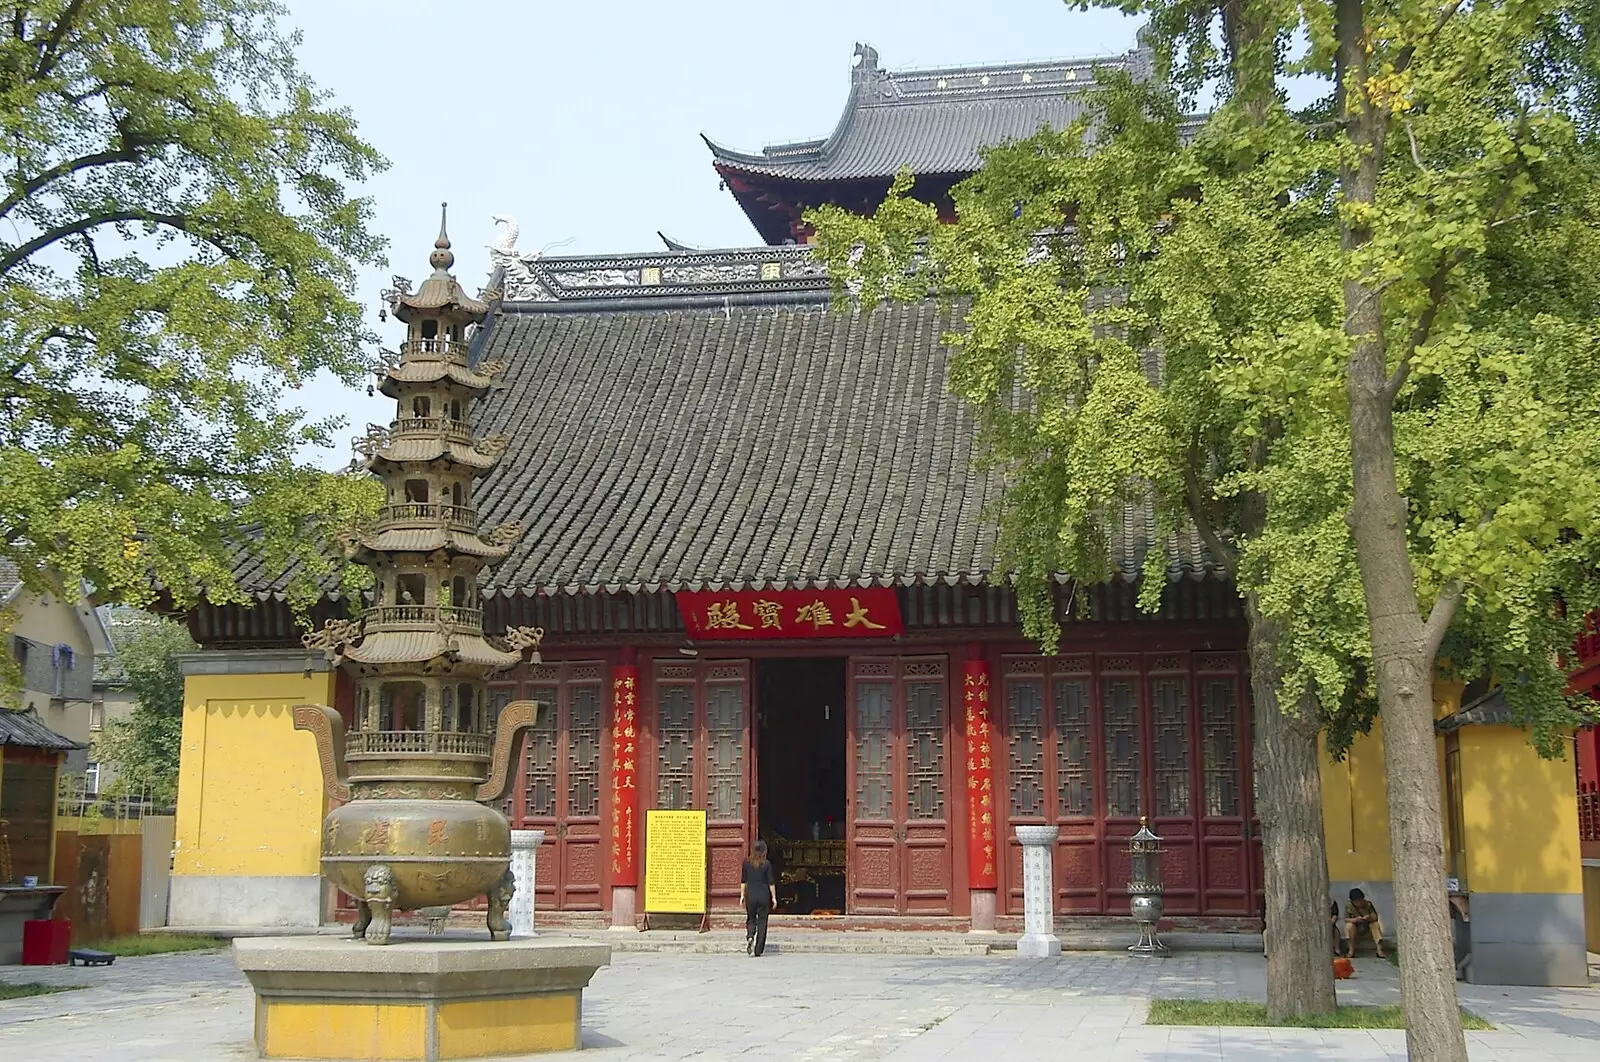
pixel 514 719
pixel 327 726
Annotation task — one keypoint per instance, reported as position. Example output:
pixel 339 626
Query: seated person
pixel 1333 926
pixel 1359 912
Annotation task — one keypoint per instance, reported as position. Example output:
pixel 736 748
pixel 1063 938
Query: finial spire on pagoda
pixel 442 258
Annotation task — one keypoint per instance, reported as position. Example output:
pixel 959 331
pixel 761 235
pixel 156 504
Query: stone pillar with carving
pixel 981 848
pixel 625 816
pixel 524 868
pixel 1039 940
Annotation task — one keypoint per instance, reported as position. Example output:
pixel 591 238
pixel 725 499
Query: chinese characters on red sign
pixel 872 612
pixel 981 848
pixel 624 774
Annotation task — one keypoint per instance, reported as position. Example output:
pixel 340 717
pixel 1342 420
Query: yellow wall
pixel 1355 811
pixel 1520 814
pixel 250 798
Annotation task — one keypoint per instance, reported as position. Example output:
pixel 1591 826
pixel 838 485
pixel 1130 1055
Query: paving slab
pixel 1089 1007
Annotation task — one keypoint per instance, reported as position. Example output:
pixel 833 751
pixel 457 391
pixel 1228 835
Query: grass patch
pixel 11 991
pixel 1235 1012
pixel 155 944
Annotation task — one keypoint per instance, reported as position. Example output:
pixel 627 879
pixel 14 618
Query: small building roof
pixel 10 580
pixel 932 121
pixel 24 730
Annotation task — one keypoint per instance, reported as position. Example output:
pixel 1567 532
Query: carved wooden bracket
pixel 514 719
pixel 327 726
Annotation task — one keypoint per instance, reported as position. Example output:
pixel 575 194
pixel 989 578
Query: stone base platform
pixel 338 998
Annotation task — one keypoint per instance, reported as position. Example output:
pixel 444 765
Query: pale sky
pixel 583 120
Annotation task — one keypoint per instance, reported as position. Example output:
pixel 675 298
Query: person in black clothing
pixel 759 895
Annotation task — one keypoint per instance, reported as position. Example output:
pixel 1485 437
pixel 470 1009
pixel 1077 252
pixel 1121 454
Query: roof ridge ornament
pixel 867 60
pixel 506 241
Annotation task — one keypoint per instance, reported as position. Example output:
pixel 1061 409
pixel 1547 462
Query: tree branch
pixel 1447 262
pixel 1403 59
pixel 1199 511
pixel 1424 326
pixel 50 54
pixel 1444 610
pixel 126 153
pixel 108 217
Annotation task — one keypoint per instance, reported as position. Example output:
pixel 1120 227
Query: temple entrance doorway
pixel 801 777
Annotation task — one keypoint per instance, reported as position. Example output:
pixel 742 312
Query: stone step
pixel 822 942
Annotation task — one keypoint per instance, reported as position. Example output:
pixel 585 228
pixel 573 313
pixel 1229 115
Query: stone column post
pixel 524 862
pixel 1039 939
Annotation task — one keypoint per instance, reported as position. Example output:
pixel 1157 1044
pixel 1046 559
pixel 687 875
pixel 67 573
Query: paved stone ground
pixel 1088 1007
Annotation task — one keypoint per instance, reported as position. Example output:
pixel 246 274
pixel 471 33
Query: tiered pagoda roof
pixel 434 381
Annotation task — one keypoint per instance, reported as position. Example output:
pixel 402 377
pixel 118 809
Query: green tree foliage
pixel 178 246
pixel 143 747
pixel 1380 387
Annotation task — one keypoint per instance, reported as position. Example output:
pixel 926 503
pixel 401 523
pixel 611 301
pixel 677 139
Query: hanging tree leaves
pixel 178 246
pixel 1433 216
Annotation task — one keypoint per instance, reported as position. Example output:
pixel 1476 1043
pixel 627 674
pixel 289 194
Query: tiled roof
pixel 10 578
pixel 24 729
pixel 933 121
pixel 741 445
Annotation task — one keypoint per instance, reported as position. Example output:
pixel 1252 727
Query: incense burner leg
pixel 381 894
pixel 363 919
pixel 499 902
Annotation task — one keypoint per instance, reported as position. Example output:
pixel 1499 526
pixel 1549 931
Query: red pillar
pixel 982 848
pixel 625 747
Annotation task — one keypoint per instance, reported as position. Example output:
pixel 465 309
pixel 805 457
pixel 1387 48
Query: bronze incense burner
pixel 410 776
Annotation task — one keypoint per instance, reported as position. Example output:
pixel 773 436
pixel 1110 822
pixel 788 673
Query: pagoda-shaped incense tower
pixel 424 751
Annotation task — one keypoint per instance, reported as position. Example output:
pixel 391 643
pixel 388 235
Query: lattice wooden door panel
pixel 558 786
pixel 701 730
pixel 1094 742
pixel 899 789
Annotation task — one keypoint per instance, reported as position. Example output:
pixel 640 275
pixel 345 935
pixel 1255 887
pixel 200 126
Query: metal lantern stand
pixel 1144 889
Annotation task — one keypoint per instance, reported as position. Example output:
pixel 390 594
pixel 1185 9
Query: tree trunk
pixel 1403 644
pixel 1289 803
pixel 1403 656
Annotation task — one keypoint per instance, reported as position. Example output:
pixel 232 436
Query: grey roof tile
pixel 933 121
pixel 25 730
pixel 742 446
pixel 736 444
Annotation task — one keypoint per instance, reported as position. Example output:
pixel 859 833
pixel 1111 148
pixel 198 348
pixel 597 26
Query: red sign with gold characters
pixel 624 774
pixel 981 848
pixel 872 612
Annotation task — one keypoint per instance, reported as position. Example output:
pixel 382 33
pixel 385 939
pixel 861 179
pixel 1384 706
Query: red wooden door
pixel 1094 742
pixel 560 790
pixel 702 740
pixel 898 834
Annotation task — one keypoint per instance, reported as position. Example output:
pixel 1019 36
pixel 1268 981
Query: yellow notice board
pixel 675 862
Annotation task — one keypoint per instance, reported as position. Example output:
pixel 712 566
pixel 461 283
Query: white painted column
pixel 1039 940
pixel 524 853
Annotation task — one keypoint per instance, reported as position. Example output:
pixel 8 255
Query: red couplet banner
pixel 981 848
pixel 624 775
pixel 734 615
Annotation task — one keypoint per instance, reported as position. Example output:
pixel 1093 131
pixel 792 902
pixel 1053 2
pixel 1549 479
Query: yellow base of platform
pixel 518 1025
pixel 332 998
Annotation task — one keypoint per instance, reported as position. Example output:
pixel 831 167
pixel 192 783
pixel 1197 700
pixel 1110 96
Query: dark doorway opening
pixel 801 780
